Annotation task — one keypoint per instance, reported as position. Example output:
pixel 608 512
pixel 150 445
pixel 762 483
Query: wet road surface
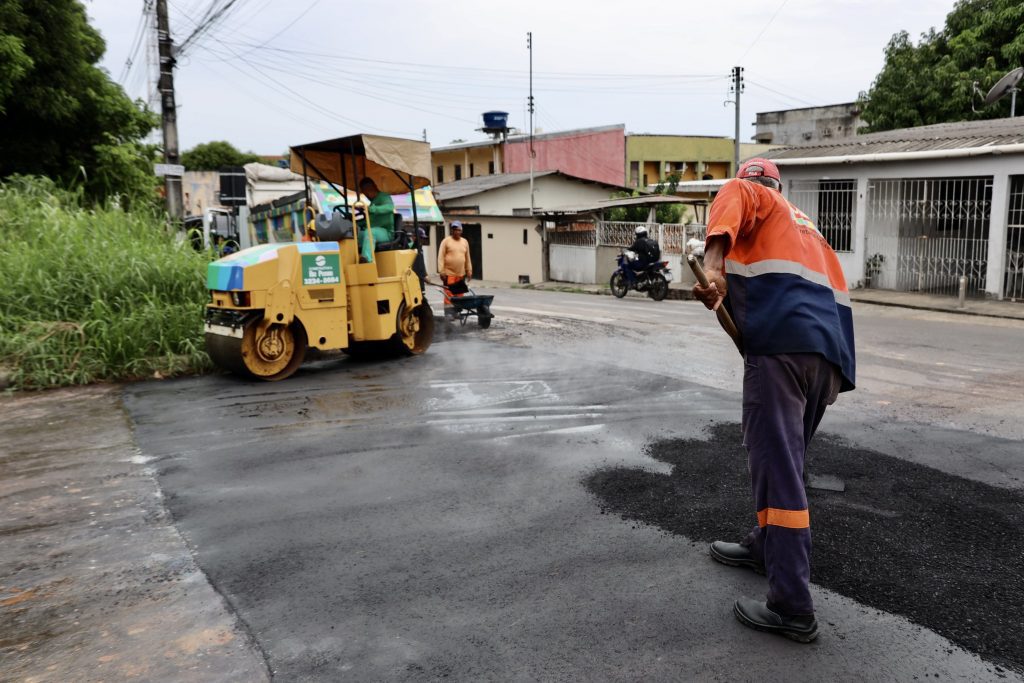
pixel 429 517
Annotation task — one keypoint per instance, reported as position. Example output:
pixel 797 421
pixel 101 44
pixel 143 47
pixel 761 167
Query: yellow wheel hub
pixel 267 351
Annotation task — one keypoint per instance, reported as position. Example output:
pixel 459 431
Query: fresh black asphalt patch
pixel 945 552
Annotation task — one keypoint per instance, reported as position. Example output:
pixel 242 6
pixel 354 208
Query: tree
pixel 933 81
pixel 62 116
pixel 211 156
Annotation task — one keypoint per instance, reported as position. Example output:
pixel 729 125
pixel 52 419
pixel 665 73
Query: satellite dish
pixel 1006 84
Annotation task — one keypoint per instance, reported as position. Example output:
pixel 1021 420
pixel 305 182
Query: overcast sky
pixel 270 73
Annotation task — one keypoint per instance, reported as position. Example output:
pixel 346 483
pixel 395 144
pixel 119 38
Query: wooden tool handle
pixel 724 319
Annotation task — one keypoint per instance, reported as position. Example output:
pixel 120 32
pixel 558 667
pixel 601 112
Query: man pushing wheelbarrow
pixel 455 267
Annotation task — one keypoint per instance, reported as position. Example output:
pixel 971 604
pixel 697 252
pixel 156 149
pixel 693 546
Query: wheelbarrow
pixel 470 304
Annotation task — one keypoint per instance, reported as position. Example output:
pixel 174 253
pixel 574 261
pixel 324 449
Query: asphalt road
pixel 430 517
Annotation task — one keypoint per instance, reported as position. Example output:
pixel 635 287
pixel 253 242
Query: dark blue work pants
pixel 784 399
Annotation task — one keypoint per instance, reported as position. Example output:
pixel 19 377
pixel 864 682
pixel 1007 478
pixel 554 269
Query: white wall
pixel 549 191
pixel 504 254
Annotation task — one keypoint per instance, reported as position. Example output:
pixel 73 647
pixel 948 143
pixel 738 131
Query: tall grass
pixel 91 294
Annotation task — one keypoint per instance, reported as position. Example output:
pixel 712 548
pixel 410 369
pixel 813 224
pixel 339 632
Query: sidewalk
pixel 990 308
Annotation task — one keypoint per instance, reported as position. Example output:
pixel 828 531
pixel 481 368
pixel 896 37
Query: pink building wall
pixel 592 154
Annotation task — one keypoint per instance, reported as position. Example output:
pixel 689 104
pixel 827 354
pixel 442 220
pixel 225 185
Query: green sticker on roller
pixel 321 269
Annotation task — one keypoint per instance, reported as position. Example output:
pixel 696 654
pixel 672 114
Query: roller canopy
pixel 366 156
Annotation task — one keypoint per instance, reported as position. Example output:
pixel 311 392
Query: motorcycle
pixel 653 279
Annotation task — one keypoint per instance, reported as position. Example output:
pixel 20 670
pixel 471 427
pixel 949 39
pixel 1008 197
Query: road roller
pixel 270 303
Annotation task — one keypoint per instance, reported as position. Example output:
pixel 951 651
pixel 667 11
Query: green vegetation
pixel 211 156
pixel 664 213
pixel 933 81
pixel 93 294
pixel 62 116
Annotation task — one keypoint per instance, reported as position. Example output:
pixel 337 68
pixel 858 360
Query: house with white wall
pixel 504 233
pixel 917 209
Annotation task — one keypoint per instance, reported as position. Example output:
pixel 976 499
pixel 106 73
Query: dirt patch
pixel 945 552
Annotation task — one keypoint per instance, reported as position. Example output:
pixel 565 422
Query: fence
pixel 925 234
pixel 574 253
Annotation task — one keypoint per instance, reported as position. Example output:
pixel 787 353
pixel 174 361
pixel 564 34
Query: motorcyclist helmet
pixel 641 231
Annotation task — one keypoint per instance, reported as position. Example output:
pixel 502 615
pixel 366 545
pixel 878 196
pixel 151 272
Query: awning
pixel 394 164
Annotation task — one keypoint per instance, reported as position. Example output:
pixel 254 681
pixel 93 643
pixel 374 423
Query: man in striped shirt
pixel 784 286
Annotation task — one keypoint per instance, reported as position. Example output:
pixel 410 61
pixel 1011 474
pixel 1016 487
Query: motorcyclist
pixel 647 250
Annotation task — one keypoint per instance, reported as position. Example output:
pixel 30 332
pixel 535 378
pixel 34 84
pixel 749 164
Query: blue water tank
pixel 495 119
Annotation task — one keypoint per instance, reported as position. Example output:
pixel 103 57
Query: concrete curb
pixel 937 309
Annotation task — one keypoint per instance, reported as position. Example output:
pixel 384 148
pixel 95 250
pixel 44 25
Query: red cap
pixel 758 167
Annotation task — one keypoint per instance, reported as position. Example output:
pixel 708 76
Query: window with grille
pixel 831 205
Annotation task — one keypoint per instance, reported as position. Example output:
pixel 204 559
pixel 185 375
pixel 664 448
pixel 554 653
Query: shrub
pixel 92 294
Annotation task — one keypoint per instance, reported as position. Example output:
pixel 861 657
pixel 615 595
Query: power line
pixel 286 27
pixel 363 93
pixel 775 84
pixel 140 32
pixel 211 18
pixel 782 94
pixel 423 66
pixel 312 103
pixel 770 22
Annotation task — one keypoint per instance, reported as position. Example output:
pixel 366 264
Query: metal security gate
pixel 571 254
pixel 923 235
pixel 831 204
pixel 1013 279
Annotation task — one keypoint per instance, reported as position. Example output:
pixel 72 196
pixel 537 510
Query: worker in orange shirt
pixel 783 284
pixel 455 266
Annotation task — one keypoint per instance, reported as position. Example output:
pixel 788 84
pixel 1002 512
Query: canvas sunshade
pixel 365 156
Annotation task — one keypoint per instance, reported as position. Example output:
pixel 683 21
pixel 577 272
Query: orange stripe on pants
pixel 791 519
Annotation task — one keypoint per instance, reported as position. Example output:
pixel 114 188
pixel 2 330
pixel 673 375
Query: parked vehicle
pixel 653 278
pixel 216 228
pixel 272 301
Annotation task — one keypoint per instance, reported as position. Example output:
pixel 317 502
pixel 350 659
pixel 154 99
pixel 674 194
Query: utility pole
pixel 169 113
pixel 737 88
pixel 529 47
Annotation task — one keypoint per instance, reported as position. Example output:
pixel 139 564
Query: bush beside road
pixel 93 294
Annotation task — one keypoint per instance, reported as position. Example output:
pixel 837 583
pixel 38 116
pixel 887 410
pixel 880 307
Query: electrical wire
pixel 770 22
pixel 344 119
pixel 782 94
pixel 136 43
pixel 423 66
pixel 285 28
pixel 775 84
pixel 206 24
pixel 291 71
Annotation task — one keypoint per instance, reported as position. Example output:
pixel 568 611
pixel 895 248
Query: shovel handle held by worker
pixel 724 319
